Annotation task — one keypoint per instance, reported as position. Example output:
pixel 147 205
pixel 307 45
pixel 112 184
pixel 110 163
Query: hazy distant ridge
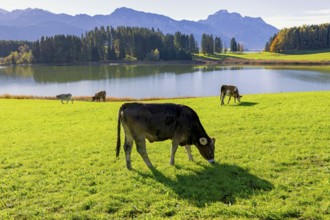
pixel 31 24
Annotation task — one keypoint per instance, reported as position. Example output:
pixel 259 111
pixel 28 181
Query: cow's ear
pixel 203 141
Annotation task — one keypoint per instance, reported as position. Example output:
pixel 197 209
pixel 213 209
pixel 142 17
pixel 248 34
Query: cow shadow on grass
pixel 247 104
pixel 218 183
pixel 241 104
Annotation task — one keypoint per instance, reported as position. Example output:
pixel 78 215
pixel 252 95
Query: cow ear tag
pixel 203 141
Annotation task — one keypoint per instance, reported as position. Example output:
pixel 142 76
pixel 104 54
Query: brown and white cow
pixel 159 122
pixel 231 91
pixel 99 95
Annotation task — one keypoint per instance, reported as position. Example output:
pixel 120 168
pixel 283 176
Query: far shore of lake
pixel 228 61
pixel 238 61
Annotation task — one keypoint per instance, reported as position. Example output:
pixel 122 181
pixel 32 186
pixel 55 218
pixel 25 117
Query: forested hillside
pixel 103 44
pixel 107 43
pixel 307 37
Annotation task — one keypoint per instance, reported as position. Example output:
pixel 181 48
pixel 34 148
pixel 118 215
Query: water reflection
pixel 59 74
pixel 140 81
pixel 306 75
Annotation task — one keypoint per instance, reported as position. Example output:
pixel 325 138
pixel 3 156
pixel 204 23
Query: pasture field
pixel 317 56
pixel 305 56
pixel 57 161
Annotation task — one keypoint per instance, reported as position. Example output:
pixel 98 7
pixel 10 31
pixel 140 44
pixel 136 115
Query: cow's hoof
pixel 129 166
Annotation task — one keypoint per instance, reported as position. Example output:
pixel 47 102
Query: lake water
pixel 144 81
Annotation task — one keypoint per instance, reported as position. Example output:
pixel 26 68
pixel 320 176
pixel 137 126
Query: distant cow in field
pixel 231 91
pixel 66 97
pixel 159 122
pixel 99 95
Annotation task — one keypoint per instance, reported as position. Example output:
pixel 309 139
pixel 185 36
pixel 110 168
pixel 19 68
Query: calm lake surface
pixel 144 81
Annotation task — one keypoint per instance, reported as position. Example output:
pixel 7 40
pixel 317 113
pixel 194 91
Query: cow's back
pixel 157 122
pixel 232 89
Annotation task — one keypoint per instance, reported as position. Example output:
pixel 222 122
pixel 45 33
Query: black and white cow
pixel 159 122
pixel 231 91
pixel 66 97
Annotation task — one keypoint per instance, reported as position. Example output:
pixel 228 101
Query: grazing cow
pixel 99 95
pixel 66 97
pixel 229 90
pixel 159 122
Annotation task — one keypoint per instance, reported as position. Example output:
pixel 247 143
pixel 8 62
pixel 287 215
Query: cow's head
pixel 206 148
pixel 239 98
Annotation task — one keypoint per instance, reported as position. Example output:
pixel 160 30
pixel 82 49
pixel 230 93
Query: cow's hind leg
pixel 142 150
pixel 173 151
pixel 188 150
pixel 222 98
pixel 128 150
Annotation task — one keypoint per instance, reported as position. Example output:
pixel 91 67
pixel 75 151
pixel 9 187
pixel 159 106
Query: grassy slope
pixel 272 153
pixel 318 56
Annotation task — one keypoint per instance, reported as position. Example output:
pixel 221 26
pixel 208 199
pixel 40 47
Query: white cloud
pixel 319 12
pixel 299 20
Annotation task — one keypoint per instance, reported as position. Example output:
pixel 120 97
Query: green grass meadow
pixel 315 56
pixel 57 161
pixel 305 56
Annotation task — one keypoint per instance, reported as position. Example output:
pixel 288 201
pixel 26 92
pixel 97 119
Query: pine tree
pixel 207 44
pixel 218 45
pixel 233 45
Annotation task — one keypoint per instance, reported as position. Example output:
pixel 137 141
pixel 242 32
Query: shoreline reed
pixel 89 98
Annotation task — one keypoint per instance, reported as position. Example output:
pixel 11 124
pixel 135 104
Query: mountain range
pixel 31 24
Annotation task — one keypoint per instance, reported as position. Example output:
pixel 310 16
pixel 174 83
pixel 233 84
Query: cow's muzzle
pixel 211 161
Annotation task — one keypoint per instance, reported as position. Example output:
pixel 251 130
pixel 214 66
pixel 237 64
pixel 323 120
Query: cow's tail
pixel 118 133
pixel 223 88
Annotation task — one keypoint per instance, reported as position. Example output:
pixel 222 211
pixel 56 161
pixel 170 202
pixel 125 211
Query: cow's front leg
pixel 229 99
pixel 141 148
pixel 173 151
pixel 188 150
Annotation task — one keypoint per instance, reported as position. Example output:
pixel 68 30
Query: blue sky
pixel 279 13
